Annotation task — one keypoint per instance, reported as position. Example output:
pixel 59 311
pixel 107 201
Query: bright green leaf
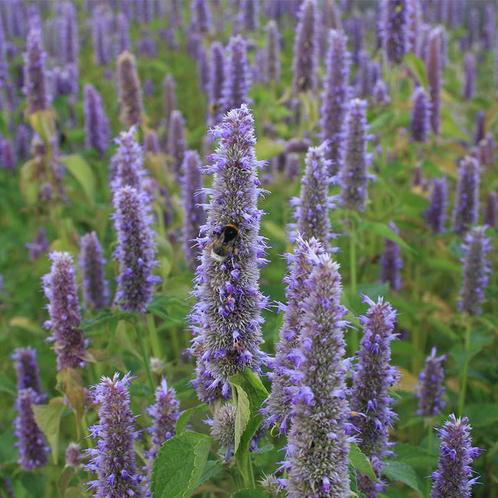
pixel 360 462
pixel 83 173
pixel 242 414
pixel 397 471
pixel 184 418
pixel 417 67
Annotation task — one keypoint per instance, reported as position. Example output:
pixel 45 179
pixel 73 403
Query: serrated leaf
pixel 360 462
pixel 242 414
pixel 179 465
pixel 48 418
pixel 183 419
pixel 83 173
pixel 482 414
pixel 397 471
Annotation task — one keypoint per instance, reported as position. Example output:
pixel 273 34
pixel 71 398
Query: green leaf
pixel 360 462
pixel 48 418
pixel 266 149
pixel 384 231
pixel 417 67
pixel 83 173
pixel 179 465
pixel 250 493
pixel 212 469
pixel 183 419
pixel 242 414
pixel 482 414
pixel 397 471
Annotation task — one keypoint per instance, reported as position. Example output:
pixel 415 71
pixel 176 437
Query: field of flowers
pixel 247 248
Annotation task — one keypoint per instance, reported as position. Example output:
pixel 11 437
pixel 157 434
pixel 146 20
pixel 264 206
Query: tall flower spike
pixel 469 72
pixel 414 21
pixel 113 460
pixel 318 447
pixel 227 317
pixel 391 262
pixel 92 263
pixel 135 251
pixel 335 100
pixel 216 80
pixel 237 75
pixel 306 43
pixel 201 16
pixel 164 413
pixel 64 310
pixel 436 213
pixel 313 205
pixel 420 123
pixel 127 162
pixel 28 373
pixel 97 131
pixel 466 209
pixel 151 143
pixel 193 201
pixel 354 174
pixel 395 29
pixel 434 69
pixel 430 388
pixel 453 477
pixel 122 33
pixel 101 35
pixel 372 379
pixel 33 449
pixel 35 85
pixel 300 264
pixel 476 270
pixel 272 56
pixel 250 14
pixel 491 212
pixel 130 91
pixel 169 97
pixel 176 142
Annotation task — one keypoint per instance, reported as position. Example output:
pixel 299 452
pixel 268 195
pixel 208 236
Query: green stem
pixel 465 370
pixel 352 268
pixel 143 350
pixel 153 336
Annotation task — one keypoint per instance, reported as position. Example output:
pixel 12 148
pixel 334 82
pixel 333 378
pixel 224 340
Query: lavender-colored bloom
pixel 480 127
pixel 127 162
pixel 434 69
pixel 420 119
pixel 490 214
pixel 136 251
pixel 395 29
pixel 113 460
pixel 413 27
pixel 227 317
pixel 69 48
pixel 453 477
pixel 146 46
pixel 317 450
pixel 33 449
pixel 436 213
pixel 28 373
pixel 73 455
pixel 201 16
pixel 60 289
pixel 391 262
pixel 476 270
pixel 101 35
pixel 372 379
pixel 237 76
pixel 292 166
pixel 300 264
pixel 176 142
pixel 469 72
pixel 355 30
pixel 4 65
pixel 35 85
pixel 7 154
pixel 430 388
pixel 130 91
pixel 305 63
pixel 272 56
pixel 97 132
pixel 381 95
pixel 216 81
pixel 312 213
pixel 92 263
pixel 223 427
pixel 203 69
pixel 466 209
pixel 164 413
pixel 250 14
pixel 335 100
pixel 122 34
pixel 22 142
pixel 297 145
pixel 354 174
pixel 151 143
pixel 193 200
pixel 169 97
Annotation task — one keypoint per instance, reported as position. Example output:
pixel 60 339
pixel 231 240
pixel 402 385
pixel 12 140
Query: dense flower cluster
pixel 430 389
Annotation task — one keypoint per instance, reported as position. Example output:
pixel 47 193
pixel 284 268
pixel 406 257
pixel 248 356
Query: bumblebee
pixel 224 243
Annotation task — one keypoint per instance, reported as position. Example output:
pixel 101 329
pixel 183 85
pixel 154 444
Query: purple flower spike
pixel 216 81
pixel 130 91
pixel 35 85
pixel 292 166
pixel 226 320
pixel 60 289
pixel 395 31
pixel 164 413
pixel 436 213
pixel 354 175
pixel 237 75
pixel 152 145
pixel 73 455
pixel 272 55
pixel 381 95
pixel 193 201
pixel 476 270
pixel 201 16
pixel 372 379
pixel 454 477
pixel 313 205
pixel 169 97
pixel 306 43
pixel 33 449
pixel 39 245
pixel 101 35
pixel 113 460
pixel 250 14
pixel 223 427
pixel 414 27
pixel 176 142
pixel 122 34
pixel 466 209
pixel 420 123
pixel 391 262
pixel 92 263
pixel 335 100
pixel 97 131
pixel 300 264
pixel 490 216
pixel 434 69
pixel 318 447
pixel 430 388
pixel 469 71
pixel 28 373
pixel 135 252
